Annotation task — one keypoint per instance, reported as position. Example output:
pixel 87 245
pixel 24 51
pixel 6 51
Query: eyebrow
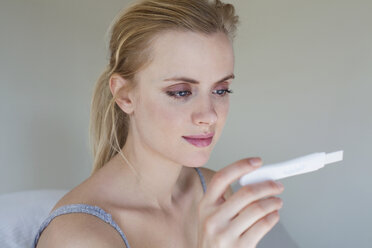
pixel 193 81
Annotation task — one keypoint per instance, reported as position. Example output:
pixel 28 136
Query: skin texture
pixel 155 145
pixel 164 205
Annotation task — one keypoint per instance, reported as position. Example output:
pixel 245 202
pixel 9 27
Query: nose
pixel 204 114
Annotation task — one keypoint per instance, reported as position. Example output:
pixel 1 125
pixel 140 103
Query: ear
pixel 125 99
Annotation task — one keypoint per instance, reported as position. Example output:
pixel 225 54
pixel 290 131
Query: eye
pixel 223 92
pixel 179 94
pixel 185 93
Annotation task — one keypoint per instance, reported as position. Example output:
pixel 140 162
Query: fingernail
pixel 255 161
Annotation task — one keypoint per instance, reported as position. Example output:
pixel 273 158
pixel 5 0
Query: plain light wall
pixel 303 82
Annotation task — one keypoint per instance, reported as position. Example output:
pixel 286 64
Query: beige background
pixel 303 83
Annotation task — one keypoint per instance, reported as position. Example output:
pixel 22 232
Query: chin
pixel 196 161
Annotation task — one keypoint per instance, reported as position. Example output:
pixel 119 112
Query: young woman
pixel 157 112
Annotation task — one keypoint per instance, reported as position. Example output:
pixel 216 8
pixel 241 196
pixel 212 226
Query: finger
pixel 246 195
pixel 252 213
pixel 224 177
pixel 256 232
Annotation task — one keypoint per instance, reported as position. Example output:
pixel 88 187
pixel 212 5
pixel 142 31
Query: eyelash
pixel 174 93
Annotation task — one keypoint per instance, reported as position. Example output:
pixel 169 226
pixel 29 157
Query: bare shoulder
pixel 79 230
pixel 208 174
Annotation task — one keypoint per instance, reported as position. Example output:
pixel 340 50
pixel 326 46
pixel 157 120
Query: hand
pixel 245 217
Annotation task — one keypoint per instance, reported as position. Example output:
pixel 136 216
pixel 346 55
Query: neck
pixel 156 179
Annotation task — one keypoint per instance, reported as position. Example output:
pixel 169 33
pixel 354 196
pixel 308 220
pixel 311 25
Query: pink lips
pixel 199 140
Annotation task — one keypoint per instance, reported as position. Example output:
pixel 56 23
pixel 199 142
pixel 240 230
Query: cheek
pixel 169 119
pixel 225 107
pixel 222 110
pixel 163 118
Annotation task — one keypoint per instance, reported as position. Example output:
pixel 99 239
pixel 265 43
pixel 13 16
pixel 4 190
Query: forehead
pixel 190 54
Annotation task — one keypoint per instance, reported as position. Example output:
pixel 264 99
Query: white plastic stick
pixel 292 167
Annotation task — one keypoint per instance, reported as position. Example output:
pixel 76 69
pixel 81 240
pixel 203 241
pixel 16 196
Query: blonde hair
pixel 130 51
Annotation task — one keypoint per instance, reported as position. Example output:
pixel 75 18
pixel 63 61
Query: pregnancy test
pixel 296 166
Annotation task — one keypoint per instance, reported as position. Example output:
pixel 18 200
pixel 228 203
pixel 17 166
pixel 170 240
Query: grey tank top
pixel 93 210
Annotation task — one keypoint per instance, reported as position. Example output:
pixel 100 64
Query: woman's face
pixel 168 107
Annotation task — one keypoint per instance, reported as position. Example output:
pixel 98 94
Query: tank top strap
pixel 81 208
pixel 96 211
pixel 201 179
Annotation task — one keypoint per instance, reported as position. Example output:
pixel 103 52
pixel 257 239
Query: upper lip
pixel 200 136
